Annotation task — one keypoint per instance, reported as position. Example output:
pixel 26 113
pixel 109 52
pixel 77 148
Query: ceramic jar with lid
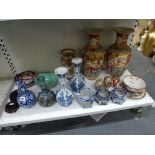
pixel 78 81
pixel 64 95
pixel 93 55
pixel 119 54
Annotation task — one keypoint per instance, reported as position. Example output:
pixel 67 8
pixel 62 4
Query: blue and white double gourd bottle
pixel 64 96
pixel 78 81
pixel 25 98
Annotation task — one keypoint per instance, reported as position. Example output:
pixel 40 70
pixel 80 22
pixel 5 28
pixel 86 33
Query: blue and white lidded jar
pixel 64 96
pixel 25 98
pixel 118 95
pixel 78 81
pixel 85 98
pixel 102 96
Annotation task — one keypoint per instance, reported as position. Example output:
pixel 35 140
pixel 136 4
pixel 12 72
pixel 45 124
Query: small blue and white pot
pixel 118 95
pixel 85 98
pixel 102 96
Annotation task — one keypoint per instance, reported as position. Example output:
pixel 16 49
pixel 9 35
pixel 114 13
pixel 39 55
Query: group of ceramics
pixel 94 60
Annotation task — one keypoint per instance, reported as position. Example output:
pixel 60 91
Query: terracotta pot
pixel 93 55
pixel 119 54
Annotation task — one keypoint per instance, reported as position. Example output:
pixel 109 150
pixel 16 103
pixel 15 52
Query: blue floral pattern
pixel 25 98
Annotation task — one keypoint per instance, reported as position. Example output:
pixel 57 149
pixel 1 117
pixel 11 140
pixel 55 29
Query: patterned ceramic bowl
pixel 134 84
pixel 118 95
pixel 102 96
pixel 27 77
pixel 85 98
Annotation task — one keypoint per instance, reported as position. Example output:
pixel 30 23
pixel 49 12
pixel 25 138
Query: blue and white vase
pixel 118 95
pixel 78 81
pixel 102 96
pixel 64 96
pixel 25 98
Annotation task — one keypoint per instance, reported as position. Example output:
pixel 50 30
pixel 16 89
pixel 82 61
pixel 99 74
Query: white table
pixel 55 112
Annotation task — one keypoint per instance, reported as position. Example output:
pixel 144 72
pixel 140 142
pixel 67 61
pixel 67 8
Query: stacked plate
pixel 135 86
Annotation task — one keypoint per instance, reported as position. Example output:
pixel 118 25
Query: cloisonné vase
pixel 64 95
pixel 78 81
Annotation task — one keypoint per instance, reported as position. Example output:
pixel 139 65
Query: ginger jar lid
pixel 77 60
pixel 61 71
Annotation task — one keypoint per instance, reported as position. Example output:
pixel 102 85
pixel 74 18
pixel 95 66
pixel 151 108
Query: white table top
pixel 56 112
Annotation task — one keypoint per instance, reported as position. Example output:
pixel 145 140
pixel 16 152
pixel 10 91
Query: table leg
pixel 98 117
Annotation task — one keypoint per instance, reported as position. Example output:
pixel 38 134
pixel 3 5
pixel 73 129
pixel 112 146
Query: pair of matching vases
pixel 65 95
pixel 115 59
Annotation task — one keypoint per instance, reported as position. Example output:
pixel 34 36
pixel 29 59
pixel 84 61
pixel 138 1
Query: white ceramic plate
pixel 134 82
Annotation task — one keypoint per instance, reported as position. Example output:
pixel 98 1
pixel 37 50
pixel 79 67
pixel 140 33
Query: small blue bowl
pixel 118 95
pixel 102 96
pixel 85 98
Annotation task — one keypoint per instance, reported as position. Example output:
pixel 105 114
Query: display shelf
pixel 5 88
pixel 55 112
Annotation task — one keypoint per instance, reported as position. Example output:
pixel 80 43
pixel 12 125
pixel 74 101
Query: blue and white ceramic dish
pixel 118 95
pixel 25 98
pixel 85 98
pixel 78 81
pixel 102 96
pixel 64 96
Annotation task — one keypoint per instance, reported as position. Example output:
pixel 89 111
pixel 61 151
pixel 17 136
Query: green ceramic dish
pixel 51 79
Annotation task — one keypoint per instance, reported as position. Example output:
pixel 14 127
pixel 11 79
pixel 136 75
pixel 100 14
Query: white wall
pixel 36 44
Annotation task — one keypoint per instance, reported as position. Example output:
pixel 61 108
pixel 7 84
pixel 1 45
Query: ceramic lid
pixel 77 60
pixel 125 30
pixel 61 70
pixel 134 82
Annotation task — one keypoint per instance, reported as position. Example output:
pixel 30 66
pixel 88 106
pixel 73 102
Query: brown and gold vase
pixel 93 55
pixel 119 54
pixel 67 55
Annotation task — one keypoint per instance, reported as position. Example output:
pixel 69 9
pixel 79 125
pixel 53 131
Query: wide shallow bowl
pixel 102 96
pixel 118 95
pixel 51 79
pixel 85 98
pixel 134 83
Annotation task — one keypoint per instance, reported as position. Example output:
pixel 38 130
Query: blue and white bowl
pixel 118 95
pixel 85 98
pixel 102 96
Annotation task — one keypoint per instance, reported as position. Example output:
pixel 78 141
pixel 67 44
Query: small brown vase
pixel 119 54
pixel 93 55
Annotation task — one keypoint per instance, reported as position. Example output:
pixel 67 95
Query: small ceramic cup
pixel 118 95
pixel 85 98
pixel 102 96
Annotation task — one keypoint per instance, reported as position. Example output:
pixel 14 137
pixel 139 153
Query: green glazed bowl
pixel 51 79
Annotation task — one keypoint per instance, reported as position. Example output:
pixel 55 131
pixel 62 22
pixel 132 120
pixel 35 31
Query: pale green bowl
pixel 51 79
